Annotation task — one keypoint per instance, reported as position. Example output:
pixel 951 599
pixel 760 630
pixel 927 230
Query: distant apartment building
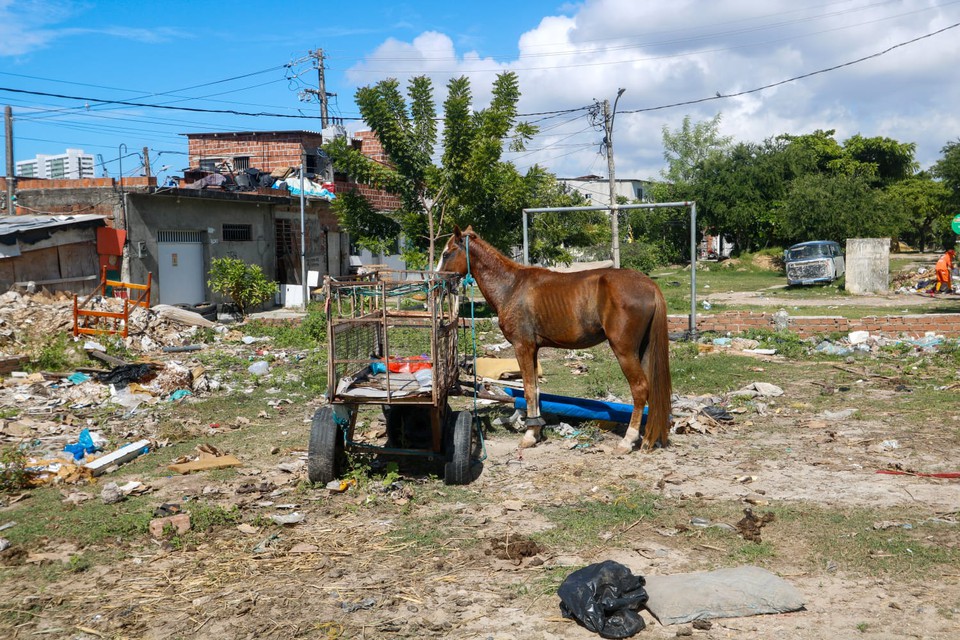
pixel 72 165
pixel 596 189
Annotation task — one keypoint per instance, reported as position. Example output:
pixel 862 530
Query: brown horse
pixel 542 308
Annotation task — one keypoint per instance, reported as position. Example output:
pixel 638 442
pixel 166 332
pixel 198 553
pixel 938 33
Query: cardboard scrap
pixel 497 368
pixel 209 458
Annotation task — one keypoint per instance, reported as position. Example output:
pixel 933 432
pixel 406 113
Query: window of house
pixel 210 164
pixel 237 232
pixel 241 163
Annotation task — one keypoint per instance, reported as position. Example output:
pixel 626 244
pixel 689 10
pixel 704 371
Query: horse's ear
pixel 456 232
pixel 470 229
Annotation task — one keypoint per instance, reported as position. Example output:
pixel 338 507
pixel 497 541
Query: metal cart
pixel 392 341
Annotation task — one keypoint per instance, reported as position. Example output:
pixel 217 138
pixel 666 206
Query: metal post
pixel 526 240
pixel 693 270
pixel 303 236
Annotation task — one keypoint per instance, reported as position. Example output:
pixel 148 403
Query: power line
pixel 721 96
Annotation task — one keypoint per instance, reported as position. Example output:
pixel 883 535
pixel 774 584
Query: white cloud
pixel 30 25
pixel 686 50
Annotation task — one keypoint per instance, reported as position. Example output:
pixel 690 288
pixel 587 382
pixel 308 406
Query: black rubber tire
pixel 206 309
pixel 326 452
pixel 459 449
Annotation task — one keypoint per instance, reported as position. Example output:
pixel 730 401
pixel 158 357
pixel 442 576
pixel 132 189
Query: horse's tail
pixel 661 388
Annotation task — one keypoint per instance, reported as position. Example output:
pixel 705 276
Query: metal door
pixel 180 254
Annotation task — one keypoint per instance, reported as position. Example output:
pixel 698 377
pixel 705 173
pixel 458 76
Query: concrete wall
pixel 868 265
pixel 148 214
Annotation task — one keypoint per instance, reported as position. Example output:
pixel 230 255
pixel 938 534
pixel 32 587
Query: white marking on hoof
pixel 529 440
pixel 625 447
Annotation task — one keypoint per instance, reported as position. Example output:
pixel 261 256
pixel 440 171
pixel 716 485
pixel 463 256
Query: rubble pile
pixel 918 280
pixel 64 421
pixel 27 316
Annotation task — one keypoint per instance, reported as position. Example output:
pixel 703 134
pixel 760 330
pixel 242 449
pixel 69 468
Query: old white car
pixel 814 262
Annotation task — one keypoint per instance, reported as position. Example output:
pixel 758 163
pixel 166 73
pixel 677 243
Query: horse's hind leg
pixel 527 358
pixel 639 389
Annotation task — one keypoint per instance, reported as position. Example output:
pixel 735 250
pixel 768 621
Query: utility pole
pixel 321 90
pixel 11 170
pixel 146 161
pixel 303 235
pixel 608 116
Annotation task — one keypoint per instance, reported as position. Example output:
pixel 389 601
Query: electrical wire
pixel 722 96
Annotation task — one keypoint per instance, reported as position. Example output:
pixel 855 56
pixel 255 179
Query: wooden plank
pixel 43 264
pixel 110 360
pixel 79 260
pixel 12 363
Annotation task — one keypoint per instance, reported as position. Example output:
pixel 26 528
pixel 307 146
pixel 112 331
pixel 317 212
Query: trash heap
pixel 64 421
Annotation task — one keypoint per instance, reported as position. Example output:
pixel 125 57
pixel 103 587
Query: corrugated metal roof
pixel 11 225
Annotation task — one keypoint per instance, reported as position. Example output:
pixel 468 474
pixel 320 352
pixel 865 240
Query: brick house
pixel 276 152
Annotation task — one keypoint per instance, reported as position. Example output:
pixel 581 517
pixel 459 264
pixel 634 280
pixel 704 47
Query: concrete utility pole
pixel 11 169
pixel 146 161
pixel 321 90
pixel 608 116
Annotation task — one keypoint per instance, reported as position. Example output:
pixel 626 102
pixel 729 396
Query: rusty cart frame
pixel 392 341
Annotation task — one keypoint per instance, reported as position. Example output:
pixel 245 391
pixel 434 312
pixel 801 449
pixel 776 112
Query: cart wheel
pixel 326 451
pixel 459 448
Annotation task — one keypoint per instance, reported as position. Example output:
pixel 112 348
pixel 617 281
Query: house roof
pixel 33 228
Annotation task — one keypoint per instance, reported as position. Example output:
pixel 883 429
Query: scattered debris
pixel 208 457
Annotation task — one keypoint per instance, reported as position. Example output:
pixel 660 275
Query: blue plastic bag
pixel 82 447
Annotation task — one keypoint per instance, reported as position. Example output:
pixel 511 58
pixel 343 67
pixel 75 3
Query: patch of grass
pixel 44 515
pixel 306 333
pixel 814 536
pixel 581 524
pixel 54 354
pixel 787 343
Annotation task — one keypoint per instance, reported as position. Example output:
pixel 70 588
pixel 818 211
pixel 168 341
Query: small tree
pixel 245 284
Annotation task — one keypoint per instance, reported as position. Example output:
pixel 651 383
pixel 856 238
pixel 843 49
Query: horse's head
pixel 454 256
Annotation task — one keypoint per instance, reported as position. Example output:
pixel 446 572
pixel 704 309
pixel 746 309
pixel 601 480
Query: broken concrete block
pixel 179 522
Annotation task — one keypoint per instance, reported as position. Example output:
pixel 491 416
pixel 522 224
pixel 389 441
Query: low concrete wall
pixel 867 265
pixel 945 324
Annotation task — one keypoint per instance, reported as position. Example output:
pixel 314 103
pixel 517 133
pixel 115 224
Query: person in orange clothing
pixel 944 267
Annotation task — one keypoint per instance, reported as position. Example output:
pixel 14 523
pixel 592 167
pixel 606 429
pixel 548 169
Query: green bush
pixel 245 284
pixel 641 256
pixel 13 469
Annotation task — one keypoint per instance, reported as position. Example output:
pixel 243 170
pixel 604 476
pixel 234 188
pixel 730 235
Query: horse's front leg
pixel 527 358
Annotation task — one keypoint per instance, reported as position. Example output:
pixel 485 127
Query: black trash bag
pixel 604 598
pixel 124 374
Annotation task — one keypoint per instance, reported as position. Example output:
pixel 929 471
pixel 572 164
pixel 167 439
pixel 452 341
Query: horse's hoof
pixel 624 450
pixel 528 441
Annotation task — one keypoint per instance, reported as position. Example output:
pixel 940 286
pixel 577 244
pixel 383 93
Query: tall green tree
pixel 889 160
pixel 472 185
pixel 835 207
pixel 685 150
pixel 922 205
pixel 739 192
pixel 947 169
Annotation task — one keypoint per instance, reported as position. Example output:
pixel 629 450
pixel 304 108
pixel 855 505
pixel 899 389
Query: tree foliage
pixel 472 185
pixel 245 284
pixel 793 188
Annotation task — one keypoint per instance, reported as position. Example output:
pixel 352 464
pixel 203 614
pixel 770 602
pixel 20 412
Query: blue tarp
pixel 578 407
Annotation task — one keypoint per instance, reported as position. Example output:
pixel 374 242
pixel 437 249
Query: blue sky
pixel 231 56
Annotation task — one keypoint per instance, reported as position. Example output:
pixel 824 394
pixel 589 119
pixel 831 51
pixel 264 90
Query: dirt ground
pixel 352 568
pixel 893 300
